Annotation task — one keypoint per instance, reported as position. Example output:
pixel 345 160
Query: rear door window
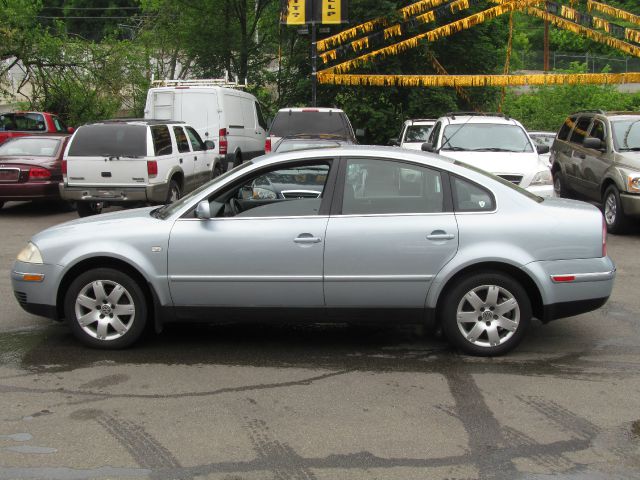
pixel 105 140
pixel 196 142
pixel 181 140
pixel 470 197
pixel 580 131
pixel 568 124
pixel 161 140
pixel 60 127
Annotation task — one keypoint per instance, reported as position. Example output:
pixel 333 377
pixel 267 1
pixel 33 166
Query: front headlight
pixel 633 182
pixel 30 254
pixel 542 178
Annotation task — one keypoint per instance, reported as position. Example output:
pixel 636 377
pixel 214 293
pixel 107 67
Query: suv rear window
pixel 29 122
pixel 315 123
pixel 109 140
pixel 566 128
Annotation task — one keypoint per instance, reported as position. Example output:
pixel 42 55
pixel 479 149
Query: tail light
pixel 604 238
pixel 267 145
pixel 39 173
pixel 152 168
pixel 64 167
pixel 222 141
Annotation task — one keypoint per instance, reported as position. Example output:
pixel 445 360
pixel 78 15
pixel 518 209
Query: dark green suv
pixel 596 155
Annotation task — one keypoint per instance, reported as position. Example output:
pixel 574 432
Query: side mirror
pixel 360 132
pixel 209 145
pixel 203 210
pixel 592 142
pixel 427 147
pixel 71 129
pixel 541 149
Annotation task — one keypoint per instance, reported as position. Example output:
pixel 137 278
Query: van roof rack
pixel 475 114
pixel 198 82
pixel 596 110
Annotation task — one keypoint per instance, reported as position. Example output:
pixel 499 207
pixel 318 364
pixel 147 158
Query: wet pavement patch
pixel 635 429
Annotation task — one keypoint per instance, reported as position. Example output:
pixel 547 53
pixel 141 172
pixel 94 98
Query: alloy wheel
pixel 488 315
pixel 105 310
pixel 610 209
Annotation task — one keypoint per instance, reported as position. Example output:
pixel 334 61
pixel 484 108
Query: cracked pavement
pixel 318 402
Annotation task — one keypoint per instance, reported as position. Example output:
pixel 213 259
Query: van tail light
pixel 222 141
pixel 39 173
pixel 267 145
pixel 152 168
pixel 604 238
pixel 64 168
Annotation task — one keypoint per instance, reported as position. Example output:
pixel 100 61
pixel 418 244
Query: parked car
pixel 395 236
pixel 304 142
pixel 495 143
pixel 414 133
pixel 132 161
pixel 597 156
pixel 309 121
pixel 218 110
pixel 543 139
pixel 19 124
pixel 31 168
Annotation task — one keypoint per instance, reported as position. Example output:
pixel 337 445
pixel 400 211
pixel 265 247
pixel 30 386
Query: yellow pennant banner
pixel 458 81
pixel 613 11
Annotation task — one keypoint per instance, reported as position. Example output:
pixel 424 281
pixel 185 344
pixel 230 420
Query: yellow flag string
pixel 366 27
pixel 601 23
pixel 458 81
pixel 613 11
pixel 459 90
pixel 587 32
pixel 431 35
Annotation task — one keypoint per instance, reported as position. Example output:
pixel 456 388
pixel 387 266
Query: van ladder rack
pixel 204 82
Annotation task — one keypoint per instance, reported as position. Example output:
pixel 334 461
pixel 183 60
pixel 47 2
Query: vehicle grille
pixel 21 297
pixel 512 178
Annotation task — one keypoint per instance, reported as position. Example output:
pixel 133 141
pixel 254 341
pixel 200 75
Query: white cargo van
pixel 219 112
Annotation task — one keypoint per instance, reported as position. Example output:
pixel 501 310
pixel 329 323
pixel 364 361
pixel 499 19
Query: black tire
pixel 217 171
pixel 86 209
pixel 614 217
pixel 237 160
pixel 90 333
pixel 174 192
pixel 66 206
pixel 486 317
pixel 1 204
pixel 560 185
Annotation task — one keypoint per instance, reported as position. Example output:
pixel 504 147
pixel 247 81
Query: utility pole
pixel 314 64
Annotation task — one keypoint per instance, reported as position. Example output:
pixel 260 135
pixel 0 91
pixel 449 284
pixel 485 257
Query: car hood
pixel 629 160
pixel 500 162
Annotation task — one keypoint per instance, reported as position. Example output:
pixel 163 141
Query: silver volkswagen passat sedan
pixel 394 236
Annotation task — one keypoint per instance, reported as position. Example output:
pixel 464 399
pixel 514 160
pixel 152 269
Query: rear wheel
pixel 174 192
pixel 86 209
pixel 615 218
pixel 486 314
pixel 217 171
pixel 105 308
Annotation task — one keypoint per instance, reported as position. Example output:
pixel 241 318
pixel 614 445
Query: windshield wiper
pixel 493 149
pixel 456 149
pixel 630 149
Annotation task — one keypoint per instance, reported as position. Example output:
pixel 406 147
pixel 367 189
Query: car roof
pixel 137 121
pixel 488 119
pixel 420 121
pixel 311 109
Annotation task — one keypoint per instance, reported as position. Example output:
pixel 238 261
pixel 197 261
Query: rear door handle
pixel 440 235
pixel 195 158
pixel 307 238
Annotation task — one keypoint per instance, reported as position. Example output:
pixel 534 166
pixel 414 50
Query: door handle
pixel 195 158
pixel 440 235
pixel 307 238
pixel 180 160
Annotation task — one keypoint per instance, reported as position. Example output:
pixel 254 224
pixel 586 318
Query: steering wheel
pixel 234 206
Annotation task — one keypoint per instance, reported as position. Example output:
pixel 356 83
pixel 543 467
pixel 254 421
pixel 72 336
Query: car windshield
pixel 504 182
pixel 626 134
pixel 487 137
pixel 417 133
pixel 311 123
pixel 169 209
pixel 30 122
pixel 116 139
pixel 32 147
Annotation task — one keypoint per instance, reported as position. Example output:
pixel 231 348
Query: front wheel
pixel 105 309
pixel 86 209
pixel 614 217
pixel 217 171
pixel 174 192
pixel 486 314
pixel 559 185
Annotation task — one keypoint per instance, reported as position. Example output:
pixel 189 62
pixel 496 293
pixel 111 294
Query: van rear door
pixel 160 105
pixel 108 154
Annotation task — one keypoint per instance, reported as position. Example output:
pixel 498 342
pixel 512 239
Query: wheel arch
pixel 530 286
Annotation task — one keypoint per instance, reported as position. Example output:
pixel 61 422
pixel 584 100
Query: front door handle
pixel 440 235
pixel 195 158
pixel 307 238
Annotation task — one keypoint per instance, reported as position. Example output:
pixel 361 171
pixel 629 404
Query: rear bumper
pixel 115 194
pixel 630 204
pixel 29 191
pixel 570 309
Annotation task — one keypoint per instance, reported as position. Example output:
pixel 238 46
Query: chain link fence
pixel 558 60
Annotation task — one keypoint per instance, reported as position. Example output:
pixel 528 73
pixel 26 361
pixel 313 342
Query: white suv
pixel 414 133
pixel 125 162
pixel 494 143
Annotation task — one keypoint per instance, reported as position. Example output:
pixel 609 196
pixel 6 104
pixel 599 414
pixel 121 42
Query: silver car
pixel 395 236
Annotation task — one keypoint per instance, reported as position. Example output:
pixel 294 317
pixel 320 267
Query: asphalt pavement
pixel 318 402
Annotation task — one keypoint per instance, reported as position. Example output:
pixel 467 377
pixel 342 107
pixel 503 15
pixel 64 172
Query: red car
pixel 19 124
pixel 31 168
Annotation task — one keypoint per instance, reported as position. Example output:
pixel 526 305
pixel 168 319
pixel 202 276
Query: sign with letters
pixel 325 12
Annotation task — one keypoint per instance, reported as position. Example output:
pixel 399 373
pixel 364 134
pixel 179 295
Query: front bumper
pixel 29 191
pixel 37 298
pixel 114 194
pixel 541 190
pixel 630 204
